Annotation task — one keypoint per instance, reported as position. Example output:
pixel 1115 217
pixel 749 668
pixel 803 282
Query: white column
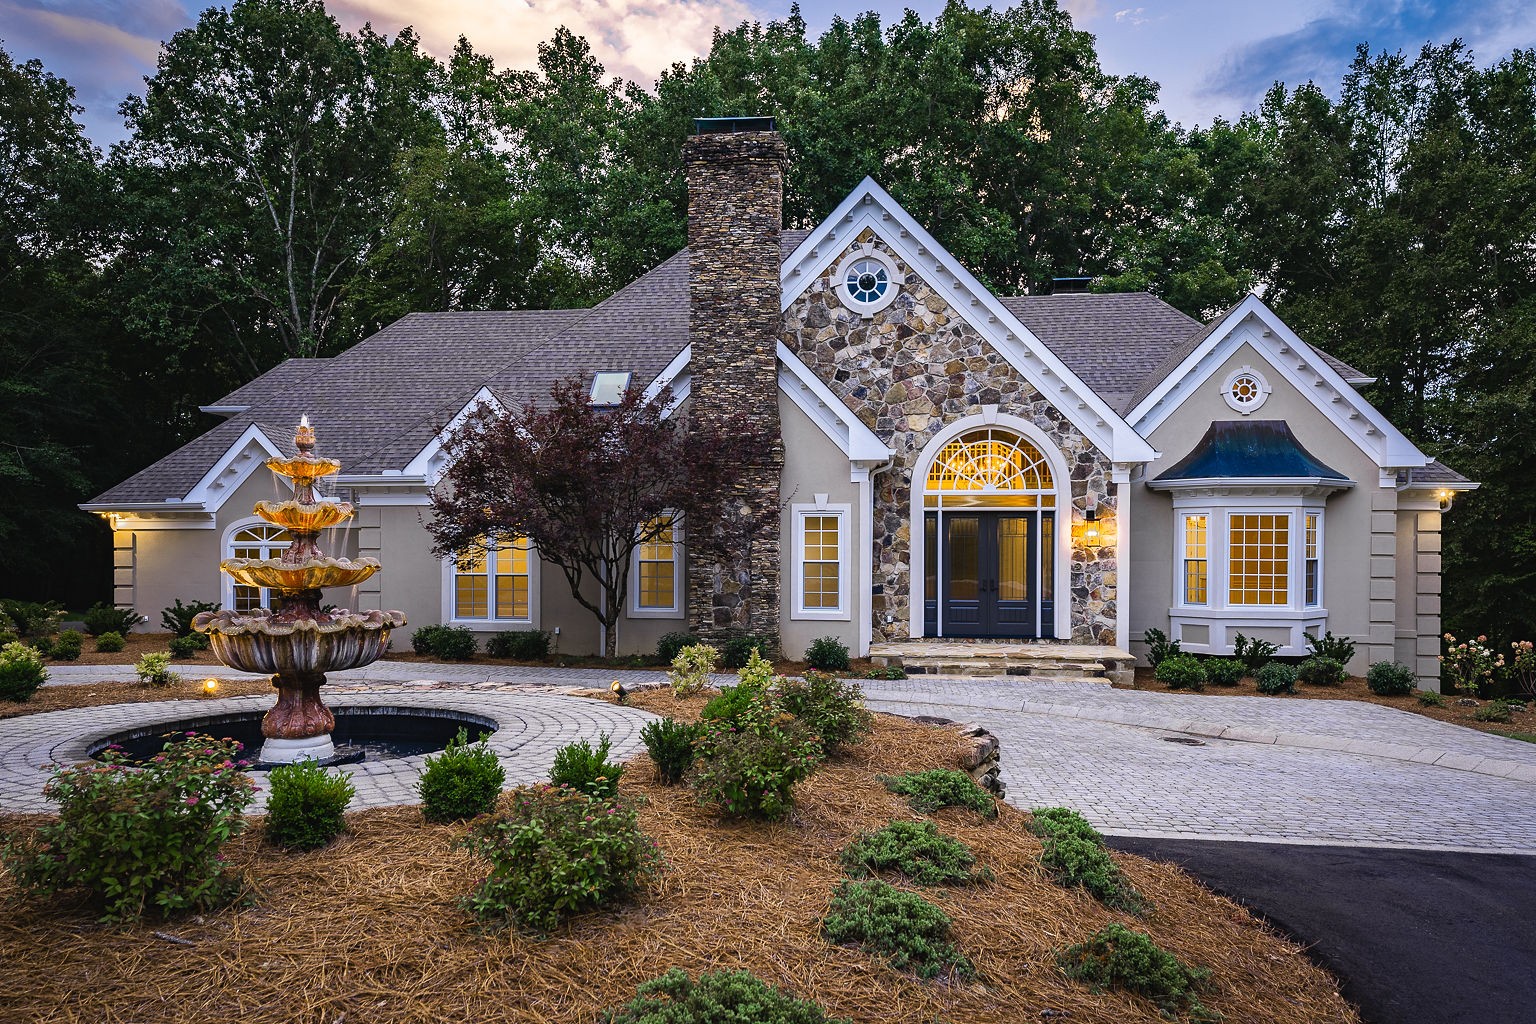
pixel 865 567
pixel 1121 477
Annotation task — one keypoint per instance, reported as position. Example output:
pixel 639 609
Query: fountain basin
pixel 362 733
pixel 313 574
pixel 256 643
pixel 302 518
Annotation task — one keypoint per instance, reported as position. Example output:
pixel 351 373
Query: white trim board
pixel 428 464
pixel 248 453
pixel 870 206
pixel 1254 323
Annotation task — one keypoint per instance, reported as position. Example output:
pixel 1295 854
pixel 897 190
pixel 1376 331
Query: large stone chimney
pixel 735 172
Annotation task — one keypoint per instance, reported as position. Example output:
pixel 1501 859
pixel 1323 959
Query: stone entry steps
pixel 977 659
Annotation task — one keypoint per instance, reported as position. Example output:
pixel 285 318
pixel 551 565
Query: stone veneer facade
pixel 735 212
pixel 908 372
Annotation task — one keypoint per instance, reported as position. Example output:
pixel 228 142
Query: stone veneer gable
pixel 908 372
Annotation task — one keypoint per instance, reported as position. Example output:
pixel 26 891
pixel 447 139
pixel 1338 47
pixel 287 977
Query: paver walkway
pixel 530 727
pixel 1293 771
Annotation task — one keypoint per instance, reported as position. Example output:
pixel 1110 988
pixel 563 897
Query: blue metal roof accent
pixel 1250 450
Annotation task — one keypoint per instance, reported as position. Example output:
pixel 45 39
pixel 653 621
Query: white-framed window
pixel 820 567
pixel 1248 557
pixel 1196 558
pixel 608 387
pixel 257 541
pixel 1312 560
pixel 656 578
pixel 1245 389
pixel 493 582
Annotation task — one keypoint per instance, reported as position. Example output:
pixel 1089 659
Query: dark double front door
pixel 994 574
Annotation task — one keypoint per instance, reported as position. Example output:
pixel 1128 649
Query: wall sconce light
pixel 1091 534
pixel 1445 497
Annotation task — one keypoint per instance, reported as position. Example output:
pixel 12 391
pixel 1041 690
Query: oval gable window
pixel 1246 389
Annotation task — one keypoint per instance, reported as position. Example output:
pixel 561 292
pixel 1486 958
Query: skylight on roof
pixel 608 387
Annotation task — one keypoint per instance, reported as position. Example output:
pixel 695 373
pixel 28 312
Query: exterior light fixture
pixel 1091 537
pixel 1445 496
pixel 210 687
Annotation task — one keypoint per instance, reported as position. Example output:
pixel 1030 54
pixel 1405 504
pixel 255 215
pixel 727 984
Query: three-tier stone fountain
pixel 297 641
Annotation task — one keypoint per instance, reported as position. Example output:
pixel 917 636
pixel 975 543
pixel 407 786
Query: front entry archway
pixel 989 550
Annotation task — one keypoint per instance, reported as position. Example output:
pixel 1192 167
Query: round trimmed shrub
pixel 305 808
pixel 67 645
pixel 1389 679
pixel 519 644
pixel 183 646
pixel 737 651
pixel 461 782
pixel 1321 671
pixel 1224 671
pixel 827 654
pixel 1181 672
pixel 425 638
pixel 21 672
pixel 718 997
pixel 1276 678
pixel 454 644
pixel 110 643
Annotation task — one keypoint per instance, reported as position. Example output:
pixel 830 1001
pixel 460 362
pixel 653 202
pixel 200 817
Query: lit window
pixel 608 388
pixel 821 569
pixel 1196 559
pixel 1314 564
pixel 656 587
pixel 490 581
pixel 1258 559
pixel 255 542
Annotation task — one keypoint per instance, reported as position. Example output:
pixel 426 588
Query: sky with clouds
pixel 1214 58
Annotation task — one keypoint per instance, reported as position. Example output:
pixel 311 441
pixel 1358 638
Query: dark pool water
pixel 379 733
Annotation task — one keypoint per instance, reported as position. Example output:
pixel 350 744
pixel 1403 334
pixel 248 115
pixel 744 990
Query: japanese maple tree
pixel 587 485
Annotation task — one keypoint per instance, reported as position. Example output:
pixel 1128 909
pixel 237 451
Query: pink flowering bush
pixel 1469 666
pixel 555 851
pixel 1522 666
pixel 140 837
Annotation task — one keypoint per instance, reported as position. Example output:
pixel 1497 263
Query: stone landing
pixel 993 659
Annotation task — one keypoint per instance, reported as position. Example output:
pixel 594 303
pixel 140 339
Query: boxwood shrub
pixel 1389 679
pixel 827 653
pixel 1181 672
pixel 306 806
pixel 1321 671
pixel 1276 677
pixel 1224 671
pixel 461 782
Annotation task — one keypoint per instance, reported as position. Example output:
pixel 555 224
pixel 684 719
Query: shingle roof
pixel 1249 450
pixel 1109 340
pixel 287 374
pixel 1435 473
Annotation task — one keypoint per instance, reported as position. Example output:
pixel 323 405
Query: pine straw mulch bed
pixel 135 646
pixel 369 929
pixel 1355 688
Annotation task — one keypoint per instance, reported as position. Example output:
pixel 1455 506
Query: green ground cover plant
pixel 554 851
pixel 143 837
pixel 911 933
pixel 1116 957
pixel 461 782
pixel 929 790
pixel 307 805
pixel 717 997
pixel 915 849
pixel 1074 853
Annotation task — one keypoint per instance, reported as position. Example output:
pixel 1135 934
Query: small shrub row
pixel 1073 852
pixel 929 790
pixel 518 644
pixel 451 643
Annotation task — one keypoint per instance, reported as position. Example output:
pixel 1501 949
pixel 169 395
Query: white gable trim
pixel 870 206
pixel 249 453
pixel 812 397
pixel 674 375
pixel 1253 322
pixel 429 463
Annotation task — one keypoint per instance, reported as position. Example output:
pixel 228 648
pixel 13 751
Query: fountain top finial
pixel 304 436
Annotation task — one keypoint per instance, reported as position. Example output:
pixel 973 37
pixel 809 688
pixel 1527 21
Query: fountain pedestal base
pixel 310 748
pixel 298 728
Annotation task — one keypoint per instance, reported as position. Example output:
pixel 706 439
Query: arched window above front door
pixel 991 466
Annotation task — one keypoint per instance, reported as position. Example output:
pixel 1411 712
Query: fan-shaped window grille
pixel 990 459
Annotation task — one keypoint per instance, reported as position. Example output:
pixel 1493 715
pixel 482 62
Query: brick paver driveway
pixel 1073 748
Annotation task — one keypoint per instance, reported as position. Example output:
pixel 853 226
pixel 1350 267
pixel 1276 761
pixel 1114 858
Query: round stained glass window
pixel 1246 390
pixel 867 281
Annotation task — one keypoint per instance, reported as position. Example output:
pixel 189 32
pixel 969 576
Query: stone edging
pixel 1439 757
